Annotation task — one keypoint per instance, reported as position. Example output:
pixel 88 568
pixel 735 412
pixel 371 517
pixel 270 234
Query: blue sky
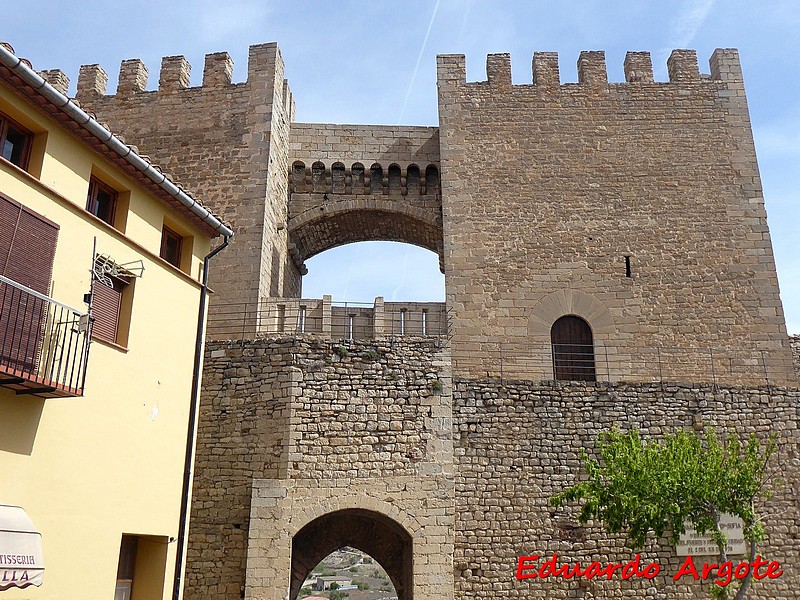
pixel 374 62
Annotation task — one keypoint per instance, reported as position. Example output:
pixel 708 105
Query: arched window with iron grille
pixel 573 349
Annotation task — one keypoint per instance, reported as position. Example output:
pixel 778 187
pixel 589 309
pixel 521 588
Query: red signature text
pixel 726 571
pixel 527 568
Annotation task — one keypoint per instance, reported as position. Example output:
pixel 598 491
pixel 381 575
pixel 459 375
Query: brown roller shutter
pixel 27 248
pixel 9 217
pixel 106 304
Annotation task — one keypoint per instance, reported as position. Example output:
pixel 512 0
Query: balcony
pixel 44 344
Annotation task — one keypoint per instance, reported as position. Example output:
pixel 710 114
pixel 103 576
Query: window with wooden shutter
pixel 126 567
pixel 573 349
pixel 105 309
pixel 171 246
pixel 15 142
pixel 142 566
pixel 101 201
pixel 112 299
pixel 27 249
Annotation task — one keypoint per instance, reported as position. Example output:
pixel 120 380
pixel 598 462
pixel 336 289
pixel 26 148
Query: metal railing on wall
pixel 328 319
pixel 44 344
pixel 499 360
pixel 601 362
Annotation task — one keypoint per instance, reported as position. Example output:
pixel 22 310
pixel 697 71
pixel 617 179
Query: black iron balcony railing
pixel 44 344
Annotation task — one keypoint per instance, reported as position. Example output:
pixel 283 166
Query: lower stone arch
pixel 382 538
pixel 570 302
pixel 589 308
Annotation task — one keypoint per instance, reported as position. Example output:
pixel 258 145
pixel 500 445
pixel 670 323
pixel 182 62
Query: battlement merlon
pixel 592 68
pixel 682 67
pixel 57 78
pixel 132 77
pixel 92 81
pixel 265 70
pixel 545 70
pixel 218 69
pixel 725 65
pixel 288 101
pixel 451 70
pixel 498 70
pixel 638 67
pixel 175 74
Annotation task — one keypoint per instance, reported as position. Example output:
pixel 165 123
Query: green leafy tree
pixel 637 487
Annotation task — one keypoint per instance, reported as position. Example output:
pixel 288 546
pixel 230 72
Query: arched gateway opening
pixel 333 205
pixel 362 220
pixel 377 535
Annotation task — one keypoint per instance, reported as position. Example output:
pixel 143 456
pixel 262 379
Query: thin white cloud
pixel 419 59
pixel 689 22
pixel 402 279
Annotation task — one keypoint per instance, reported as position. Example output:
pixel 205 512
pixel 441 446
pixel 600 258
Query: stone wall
pixel 636 206
pixel 547 188
pixel 243 434
pixel 366 144
pixel 291 430
pixel 518 444
pixel 301 431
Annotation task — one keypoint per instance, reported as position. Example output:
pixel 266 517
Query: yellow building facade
pixel 101 262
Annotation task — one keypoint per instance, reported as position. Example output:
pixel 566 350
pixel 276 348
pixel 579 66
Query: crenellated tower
pixel 226 142
pixel 636 207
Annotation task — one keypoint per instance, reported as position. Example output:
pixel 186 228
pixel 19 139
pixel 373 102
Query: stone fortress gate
pixel 607 262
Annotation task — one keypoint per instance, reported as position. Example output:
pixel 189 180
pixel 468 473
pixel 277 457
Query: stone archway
pixel 331 204
pixel 379 536
pixel 360 220
pixel 570 302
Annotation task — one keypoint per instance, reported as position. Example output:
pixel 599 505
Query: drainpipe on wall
pixel 193 407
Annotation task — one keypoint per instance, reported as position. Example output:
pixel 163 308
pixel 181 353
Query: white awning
pixel 21 561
